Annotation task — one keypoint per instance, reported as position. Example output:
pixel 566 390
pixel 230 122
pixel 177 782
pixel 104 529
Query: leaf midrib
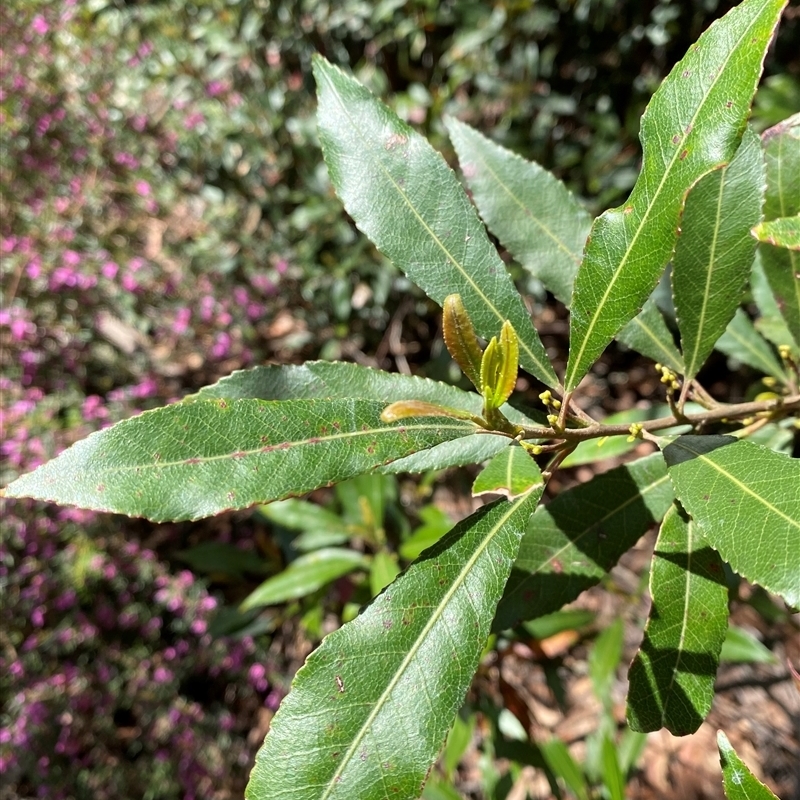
pixel 281 447
pixel 568 380
pixel 742 487
pixel 545 368
pixel 573 542
pixel 687 572
pixel 691 368
pixel 434 618
pixel 669 356
pixel 793 256
pixel 558 241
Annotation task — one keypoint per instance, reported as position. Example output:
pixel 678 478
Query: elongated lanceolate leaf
pixel 715 251
pixel 305 575
pixel 744 343
pixel 573 541
pixel 783 232
pixel 672 675
pixel 327 379
pixel 511 472
pixel 782 267
pixel 337 379
pixel 648 334
pixel 737 780
pixel 544 227
pixel 369 711
pixel 692 125
pixel 405 198
pixel 745 501
pixel 771 324
pixel 460 339
pixel 530 211
pixel 468 450
pixel 198 458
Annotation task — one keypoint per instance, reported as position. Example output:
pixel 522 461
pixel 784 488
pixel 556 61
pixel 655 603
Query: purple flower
pixel 39 25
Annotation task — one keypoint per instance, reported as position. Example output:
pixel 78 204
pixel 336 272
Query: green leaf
pixel 398 673
pixel 604 660
pixel 672 675
pixel 458 740
pixel 200 457
pixel 737 780
pixel 744 343
pixel 743 648
pixel 460 339
pixel 435 524
pixel 573 541
pixel 630 749
pixel 499 368
pixel 564 766
pixel 782 267
pixel 781 232
pixel 472 449
pixel 325 379
pixel 612 774
pixel 771 323
pixel 216 558
pixel 383 571
pixel 692 124
pixel 305 575
pixel 511 472
pixel 405 198
pixel 745 501
pixel 300 515
pixel 535 217
pixel 336 379
pixel 715 251
pixel 568 619
pixel 648 334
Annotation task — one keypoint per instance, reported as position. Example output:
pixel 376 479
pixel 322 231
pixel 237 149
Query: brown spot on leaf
pixel 684 154
pixel 395 140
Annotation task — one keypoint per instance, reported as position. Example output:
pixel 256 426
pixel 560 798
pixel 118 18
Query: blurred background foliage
pixel 166 219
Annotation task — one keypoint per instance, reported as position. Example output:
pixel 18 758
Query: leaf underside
pixel 692 125
pixel 370 709
pixel 672 675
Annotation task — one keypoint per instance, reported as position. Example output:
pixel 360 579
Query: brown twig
pixel 776 407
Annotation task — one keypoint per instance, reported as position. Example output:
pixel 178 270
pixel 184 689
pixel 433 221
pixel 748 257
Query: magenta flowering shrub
pixel 111 684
